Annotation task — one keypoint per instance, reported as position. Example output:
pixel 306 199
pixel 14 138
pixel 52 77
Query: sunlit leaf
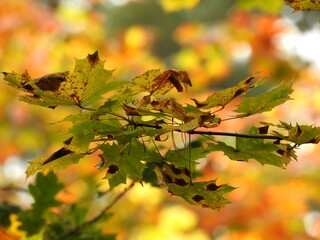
pixel 204 194
pixel 223 97
pixel 85 84
pixel 158 83
pixel 266 101
pixel 56 163
pixel 299 134
pixel 265 152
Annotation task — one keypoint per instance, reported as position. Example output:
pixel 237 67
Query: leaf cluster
pixel 135 126
pixel 50 219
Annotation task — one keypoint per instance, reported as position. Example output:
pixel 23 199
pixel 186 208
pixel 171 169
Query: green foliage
pixel 69 223
pixel 266 101
pixel 44 198
pixel 6 209
pixel 136 128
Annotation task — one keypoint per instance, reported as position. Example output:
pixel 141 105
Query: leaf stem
pixel 96 218
pixel 233 134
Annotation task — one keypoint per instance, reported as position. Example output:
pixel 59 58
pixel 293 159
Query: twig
pixel 233 134
pixel 96 218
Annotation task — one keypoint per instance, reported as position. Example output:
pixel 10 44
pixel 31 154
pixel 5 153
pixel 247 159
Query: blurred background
pixel 218 43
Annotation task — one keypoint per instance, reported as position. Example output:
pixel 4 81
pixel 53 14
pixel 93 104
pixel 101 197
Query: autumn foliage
pixel 149 128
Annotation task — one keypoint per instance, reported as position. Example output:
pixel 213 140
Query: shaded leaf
pixel 43 192
pixel 182 157
pixel 251 148
pixel 6 209
pixel 122 164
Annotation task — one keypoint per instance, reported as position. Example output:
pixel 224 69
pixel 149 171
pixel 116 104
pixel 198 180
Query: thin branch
pixel 233 134
pixel 96 218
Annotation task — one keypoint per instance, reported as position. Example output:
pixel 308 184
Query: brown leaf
pixel 173 77
pixel 130 111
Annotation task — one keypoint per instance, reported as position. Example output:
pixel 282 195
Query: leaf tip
pixel 93 58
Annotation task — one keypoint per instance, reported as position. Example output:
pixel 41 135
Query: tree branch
pixel 233 134
pixel 96 218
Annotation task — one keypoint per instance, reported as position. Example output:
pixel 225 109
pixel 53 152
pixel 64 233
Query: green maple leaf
pixel 204 194
pixel 43 192
pixel 264 102
pixel 182 157
pixel 122 164
pixel 298 134
pixel 225 96
pixel 178 181
pixel 251 148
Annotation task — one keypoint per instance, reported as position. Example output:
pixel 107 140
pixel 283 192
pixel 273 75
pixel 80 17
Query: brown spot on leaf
pixel 249 80
pixel 263 130
pixel 93 58
pixel 278 141
pixel 112 169
pixel 199 104
pixel 180 182
pixel 281 152
pixel 167 178
pixel 299 131
pixel 68 141
pixel 197 198
pixel 49 82
pixel 58 154
pixel 170 77
pixel 176 171
pixel 212 187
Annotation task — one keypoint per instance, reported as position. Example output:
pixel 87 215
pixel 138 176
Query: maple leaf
pixel 225 96
pixel 122 163
pixel 266 101
pixel 85 84
pixel 43 192
pixel 298 134
pixel 250 148
pixel 158 83
pixel 178 182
